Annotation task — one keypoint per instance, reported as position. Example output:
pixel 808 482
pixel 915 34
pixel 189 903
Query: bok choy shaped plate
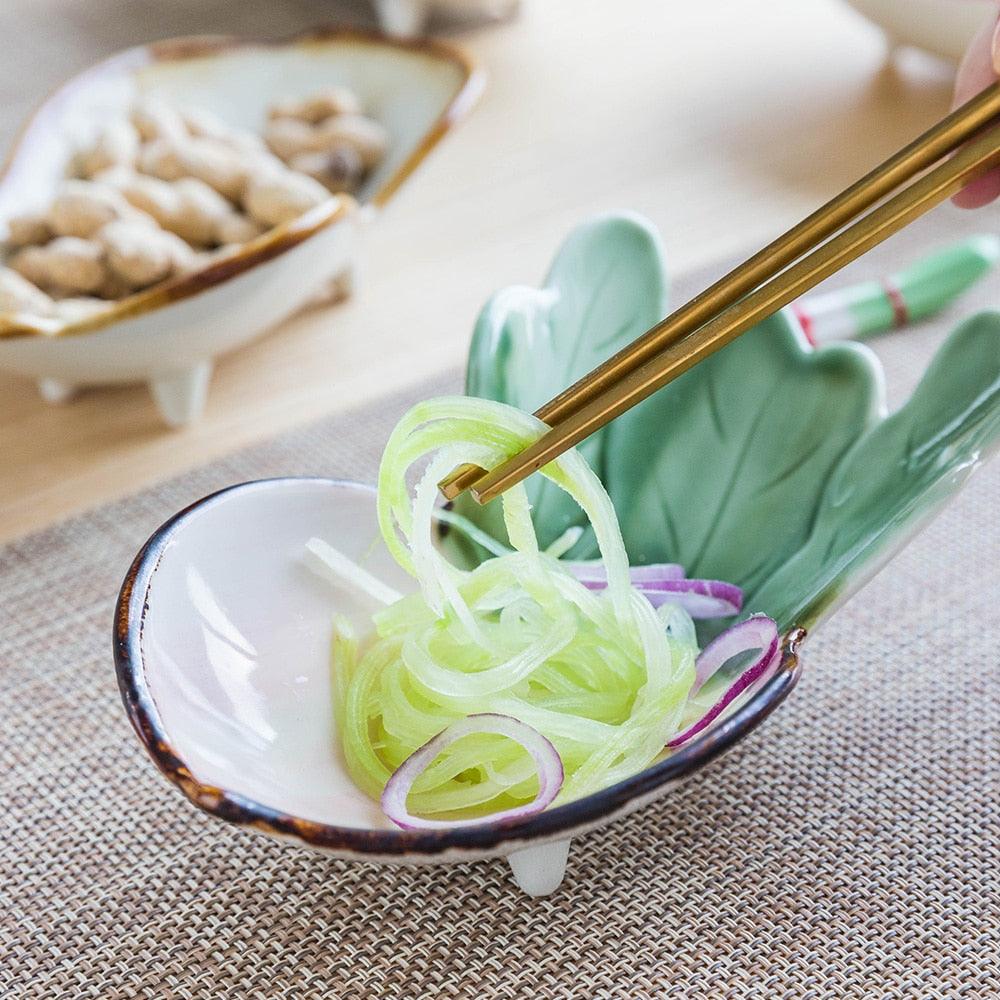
pixel 771 464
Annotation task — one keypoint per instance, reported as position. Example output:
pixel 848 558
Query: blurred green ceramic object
pixel 770 464
pixel 922 288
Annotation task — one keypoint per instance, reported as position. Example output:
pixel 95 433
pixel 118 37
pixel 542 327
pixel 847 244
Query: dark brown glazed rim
pixel 130 612
pixel 282 238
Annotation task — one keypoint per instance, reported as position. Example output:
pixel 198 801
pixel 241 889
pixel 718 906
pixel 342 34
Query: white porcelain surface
pixel 540 870
pixel 171 344
pixel 944 27
pixel 236 645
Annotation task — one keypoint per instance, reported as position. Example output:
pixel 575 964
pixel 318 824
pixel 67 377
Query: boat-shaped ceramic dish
pixel 798 492
pixel 168 335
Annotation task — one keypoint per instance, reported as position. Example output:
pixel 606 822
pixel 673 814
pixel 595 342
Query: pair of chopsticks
pixel 769 280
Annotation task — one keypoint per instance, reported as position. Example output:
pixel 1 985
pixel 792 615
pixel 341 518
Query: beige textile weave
pixel 848 849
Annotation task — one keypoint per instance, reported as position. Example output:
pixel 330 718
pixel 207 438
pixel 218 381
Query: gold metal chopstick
pixel 974 159
pixel 927 149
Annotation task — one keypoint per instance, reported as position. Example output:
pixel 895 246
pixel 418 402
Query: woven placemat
pixel 848 849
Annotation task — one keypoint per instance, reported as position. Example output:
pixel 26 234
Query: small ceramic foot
pixel 402 17
pixel 337 289
pixel 539 870
pixel 54 390
pixel 180 396
pixel 342 287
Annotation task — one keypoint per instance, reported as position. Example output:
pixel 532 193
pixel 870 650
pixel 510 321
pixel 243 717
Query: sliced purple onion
pixel 664 582
pixel 757 632
pixel 699 598
pixel 595 576
pixel 544 754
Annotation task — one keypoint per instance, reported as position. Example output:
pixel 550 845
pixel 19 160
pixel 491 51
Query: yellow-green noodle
pixel 602 675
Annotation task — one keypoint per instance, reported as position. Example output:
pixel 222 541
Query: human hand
pixel 979 68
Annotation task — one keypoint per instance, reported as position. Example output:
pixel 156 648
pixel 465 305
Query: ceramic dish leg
pixel 404 18
pixel 539 870
pixel 180 396
pixel 55 391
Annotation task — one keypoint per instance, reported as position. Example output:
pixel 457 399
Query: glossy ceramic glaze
pixel 222 637
pixel 771 464
pixel 242 630
pixel 168 335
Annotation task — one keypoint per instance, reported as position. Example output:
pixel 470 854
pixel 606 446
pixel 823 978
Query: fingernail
pixel 995 48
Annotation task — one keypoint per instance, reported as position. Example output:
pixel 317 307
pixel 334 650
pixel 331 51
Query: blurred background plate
pixel 944 27
pixel 169 334
pixel 409 17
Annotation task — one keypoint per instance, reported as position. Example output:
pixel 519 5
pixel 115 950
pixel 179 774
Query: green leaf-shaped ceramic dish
pixel 771 464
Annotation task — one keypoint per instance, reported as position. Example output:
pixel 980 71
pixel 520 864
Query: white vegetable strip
pixel 332 565
pixel 564 542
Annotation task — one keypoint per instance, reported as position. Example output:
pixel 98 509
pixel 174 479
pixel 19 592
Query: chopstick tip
pixel 460 480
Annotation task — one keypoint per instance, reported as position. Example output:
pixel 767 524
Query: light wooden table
pixel 722 120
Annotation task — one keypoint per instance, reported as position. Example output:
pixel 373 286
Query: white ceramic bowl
pixel 944 27
pixel 222 647
pixel 407 18
pixel 169 334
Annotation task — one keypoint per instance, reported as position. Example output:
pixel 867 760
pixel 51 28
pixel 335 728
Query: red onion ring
pixel 545 755
pixel 699 598
pixel 662 582
pixel 757 632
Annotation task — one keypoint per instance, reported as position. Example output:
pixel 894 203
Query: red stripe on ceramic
pixel 805 321
pixel 900 312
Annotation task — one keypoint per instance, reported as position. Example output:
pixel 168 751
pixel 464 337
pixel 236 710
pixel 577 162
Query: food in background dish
pixel 166 190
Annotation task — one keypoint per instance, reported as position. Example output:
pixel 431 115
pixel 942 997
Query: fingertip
pixel 980 192
pixel 977 69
